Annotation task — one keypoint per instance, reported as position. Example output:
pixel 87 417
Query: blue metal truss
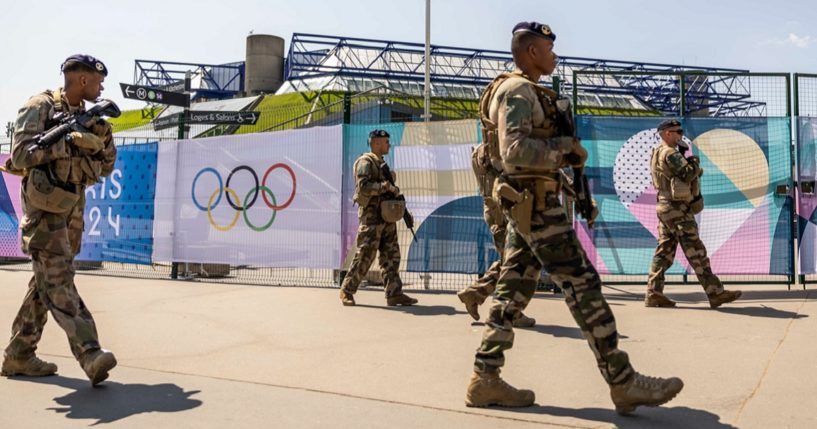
pixel 462 71
pixel 313 60
pixel 209 81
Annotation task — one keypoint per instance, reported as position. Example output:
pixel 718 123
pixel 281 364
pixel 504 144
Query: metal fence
pixel 805 128
pixel 689 93
pixel 616 94
pixel 739 101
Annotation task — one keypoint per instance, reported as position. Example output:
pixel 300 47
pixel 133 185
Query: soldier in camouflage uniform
pixel 476 294
pixel 530 148
pixel 374 232
pixel 676 179
pixel 53 201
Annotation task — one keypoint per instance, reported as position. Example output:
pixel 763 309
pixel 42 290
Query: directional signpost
pixel 175 86
pixel 155 95
pixel 213 117
pixel 167 121
pixel 218 117
pixel 166 96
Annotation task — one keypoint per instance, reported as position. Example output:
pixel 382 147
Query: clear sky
pixel 35 37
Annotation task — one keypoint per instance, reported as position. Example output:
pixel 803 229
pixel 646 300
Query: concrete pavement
pixel 212 355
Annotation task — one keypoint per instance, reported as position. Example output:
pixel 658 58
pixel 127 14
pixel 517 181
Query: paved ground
pixel 213 356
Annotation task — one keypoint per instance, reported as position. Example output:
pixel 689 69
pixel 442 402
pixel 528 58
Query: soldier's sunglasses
pixel 679 131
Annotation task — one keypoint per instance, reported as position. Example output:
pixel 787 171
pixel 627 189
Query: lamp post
pixel 427 88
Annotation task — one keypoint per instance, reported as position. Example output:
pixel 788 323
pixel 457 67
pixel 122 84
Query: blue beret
pixel 378 133
pixel 86 60
pixel 541 30
pixel 669 123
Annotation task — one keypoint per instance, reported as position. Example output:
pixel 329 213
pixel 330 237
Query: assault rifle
pixel 584 201
pixel 407 217
pixel 67 123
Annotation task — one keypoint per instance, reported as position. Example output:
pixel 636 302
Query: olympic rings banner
pixel 269 199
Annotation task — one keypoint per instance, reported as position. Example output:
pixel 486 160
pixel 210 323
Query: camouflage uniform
pixel 517 108
pixel 374 234
pixel 492 213
pixel 52 239
pixel 677 222
pixel 494 218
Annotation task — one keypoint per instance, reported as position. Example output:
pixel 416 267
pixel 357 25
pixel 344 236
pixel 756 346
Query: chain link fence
pixel 615 94
pixel 718 111
pixel 805 112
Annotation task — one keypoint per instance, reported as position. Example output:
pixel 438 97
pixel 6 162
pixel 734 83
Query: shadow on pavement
pixel 112 401
pixel 558 331
pixel 661 417
pixel 761 311
pixel 696 295
pixel 420 309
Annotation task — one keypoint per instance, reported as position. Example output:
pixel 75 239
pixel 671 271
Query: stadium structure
pixel 324 80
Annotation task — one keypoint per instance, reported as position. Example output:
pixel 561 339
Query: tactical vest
pixel 67 171
pixel 361 200
pixel 485 159
pixel 57 186
pixel 669 187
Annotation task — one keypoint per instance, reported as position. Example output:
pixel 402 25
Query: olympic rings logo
pixel 234 200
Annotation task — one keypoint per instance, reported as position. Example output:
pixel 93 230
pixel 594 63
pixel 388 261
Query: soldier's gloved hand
pixel 102 128
pixel 696 162
pixel 577 155
pixel 388 187
pixel 593 214
pixel 87 142
pixel 98 126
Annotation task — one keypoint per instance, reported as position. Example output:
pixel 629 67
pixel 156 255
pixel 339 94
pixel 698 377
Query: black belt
pixel 65 186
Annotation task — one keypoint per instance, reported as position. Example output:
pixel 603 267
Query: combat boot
pixel 724 297
pixel 524 321
pixel 488 388
pixel 642 390
pixel 31 367
pixel 347 298
pixel 472 300
pixel 96 364
pixel 657 299
pixel 401 299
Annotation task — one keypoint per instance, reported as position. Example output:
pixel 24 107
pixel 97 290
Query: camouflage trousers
pixel 52 240
pixel 677 225
pixel 552 244
pixel 52 289
pixel 498 225
pixel 372 238
pixel 485 285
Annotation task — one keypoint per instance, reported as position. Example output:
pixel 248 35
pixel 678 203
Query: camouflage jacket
pixel 666 164
pixel 517 107
pixel 369 186
pixel 68 163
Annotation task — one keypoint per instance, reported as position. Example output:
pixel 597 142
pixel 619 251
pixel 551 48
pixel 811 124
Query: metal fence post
pixel 347 107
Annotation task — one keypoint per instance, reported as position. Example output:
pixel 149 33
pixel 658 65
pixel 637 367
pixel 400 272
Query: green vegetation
pixel 294 110
pixel 286 111
pixel 131 119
